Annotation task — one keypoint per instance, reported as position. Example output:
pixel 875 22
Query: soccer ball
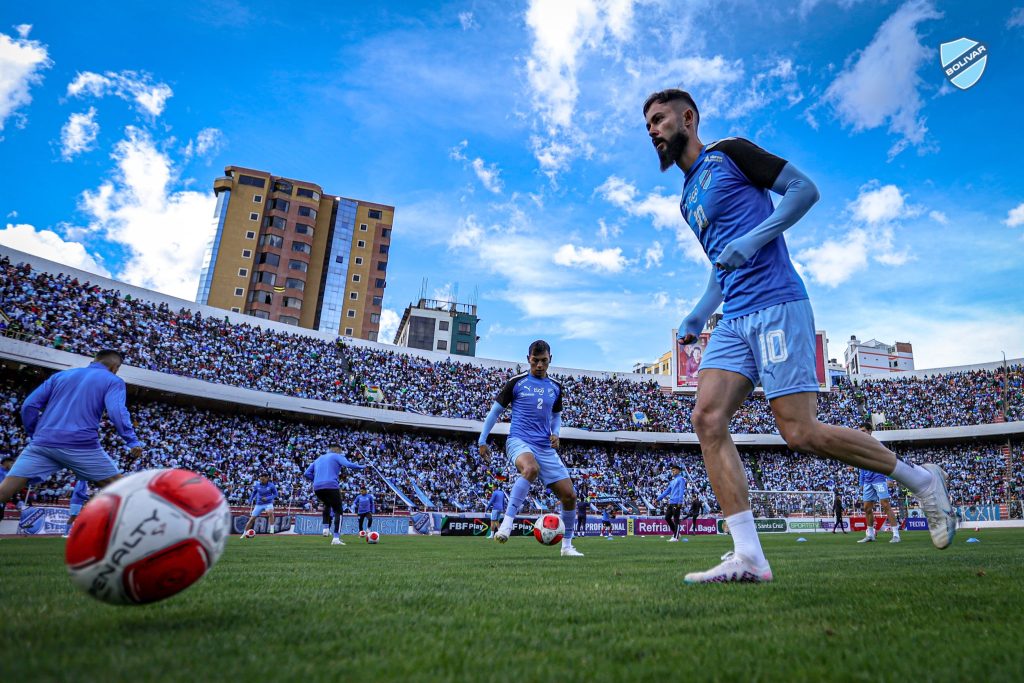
pixel 373 537
pixel 362 533
pixel 548 529
pixel 251 533
pixel 148 536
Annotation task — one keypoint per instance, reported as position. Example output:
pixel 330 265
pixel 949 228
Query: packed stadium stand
pixel 230 396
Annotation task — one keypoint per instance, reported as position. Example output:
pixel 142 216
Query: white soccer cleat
pixel 270 530
pixel 673 539
pixel 571 552
pixel 326 533
pixel 733 569
pixel 894 539
pixel 337 541
pixel 243 537
pixel 867 539
pixel 938 509
pixel 500 536
pixel 64 535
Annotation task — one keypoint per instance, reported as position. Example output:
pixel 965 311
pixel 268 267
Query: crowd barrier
pixel 312 525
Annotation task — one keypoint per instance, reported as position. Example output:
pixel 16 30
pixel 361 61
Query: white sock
pixel 566 542
pixel 915 478
pixel 744 537
pixel 506 523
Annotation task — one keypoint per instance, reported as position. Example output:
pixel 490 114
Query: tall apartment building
pixel 444 326
pixel 284 250
pixel 873 357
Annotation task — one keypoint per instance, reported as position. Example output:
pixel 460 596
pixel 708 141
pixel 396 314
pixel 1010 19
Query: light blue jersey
pixel 365 504
pixel 263 495
pixel 324 471
pixel 533 401
pixel 80 494
pixel 726 196
pixel 498 501
pixel 676 491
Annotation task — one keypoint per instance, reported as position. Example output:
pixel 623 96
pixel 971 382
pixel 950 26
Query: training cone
pixel 801 540
pixel 972 539
pixel 685 540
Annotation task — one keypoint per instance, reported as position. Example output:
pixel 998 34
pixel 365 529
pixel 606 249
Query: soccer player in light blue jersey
pixel 79 497
pixel 323 472
pixel 62 418
pixel 262 498
pixel 497 505
pixel 536 402
pixel 766 333
pixel 365 506
pixel 676 494
pixel 875 489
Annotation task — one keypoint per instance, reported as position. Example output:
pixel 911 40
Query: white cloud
pixel 163 231
pixel 653 255
pixel 132 86
pixel 49 245
pixel 22 62
pixel 1016 216
pixel 468 233
pixel 489 176
pixel 939 217
pixel 880 85
pixel 208 142
pixel 1016 18
pixel 78 134
pixel 876 214
pixel 606 232
pixel 608 260
pixel 467 21
pixel 661 210
pixel 389 321
pixel 23 30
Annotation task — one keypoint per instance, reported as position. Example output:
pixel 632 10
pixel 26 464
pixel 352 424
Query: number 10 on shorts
pixel 773 347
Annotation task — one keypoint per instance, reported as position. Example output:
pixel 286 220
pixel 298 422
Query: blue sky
pixel 510 139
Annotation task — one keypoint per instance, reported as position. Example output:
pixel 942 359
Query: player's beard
pixel 674 148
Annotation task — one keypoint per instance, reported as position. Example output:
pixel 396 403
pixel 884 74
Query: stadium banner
pixel 771 525
pixel 43 521
pixel 312 525
pixel 915 524
pixel 804 524
pixel 594 525
pixel 281 523
pixel 686 361
pixel 657 526
pixel 978 513
pixel 422 522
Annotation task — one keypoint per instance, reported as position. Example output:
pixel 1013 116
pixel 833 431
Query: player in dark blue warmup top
pixel 497 505
pixel 62 417
pixel 766 333
pixel 536 402
pixel 262 498
pixel 323 472
pixel 79 497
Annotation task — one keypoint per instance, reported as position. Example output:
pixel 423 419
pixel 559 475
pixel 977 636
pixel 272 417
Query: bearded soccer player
pixel 766 333
pixel 536 402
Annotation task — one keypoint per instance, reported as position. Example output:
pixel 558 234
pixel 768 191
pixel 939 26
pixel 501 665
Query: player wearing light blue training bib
pixel 263 495
pixel 497 505
pixel 875 489
pixel 536 402
pixel 766 335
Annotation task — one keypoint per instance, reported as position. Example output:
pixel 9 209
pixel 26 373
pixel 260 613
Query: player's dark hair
pixel 675 466
pixel 108 354
pixel 670 95
pixel 538 347
pixel 866 424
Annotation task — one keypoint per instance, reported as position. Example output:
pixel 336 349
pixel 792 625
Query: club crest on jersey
pixel 704 179
pixel 963 61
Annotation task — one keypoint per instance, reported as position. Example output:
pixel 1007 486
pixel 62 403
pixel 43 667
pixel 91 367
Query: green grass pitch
pixel 467 609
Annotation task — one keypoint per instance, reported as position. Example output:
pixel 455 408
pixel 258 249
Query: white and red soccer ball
pixel 148 536
pixel 362 533
pixel 549 529
pixel 373 537
pixel 250 533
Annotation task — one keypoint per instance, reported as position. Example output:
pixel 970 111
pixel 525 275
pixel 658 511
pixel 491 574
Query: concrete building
pixel 281 249
pixel 444 326
pixel 662 366
pixel 876 358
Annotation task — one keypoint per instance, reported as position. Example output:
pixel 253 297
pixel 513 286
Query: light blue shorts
pixel 552 468
pixel 774 346
pixel 496 515
pixel 91 464
pixel 74 509
pixel 260 509
pixel 874 493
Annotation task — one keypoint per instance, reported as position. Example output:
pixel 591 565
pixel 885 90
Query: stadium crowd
pixel 80 317
pixel 232 450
